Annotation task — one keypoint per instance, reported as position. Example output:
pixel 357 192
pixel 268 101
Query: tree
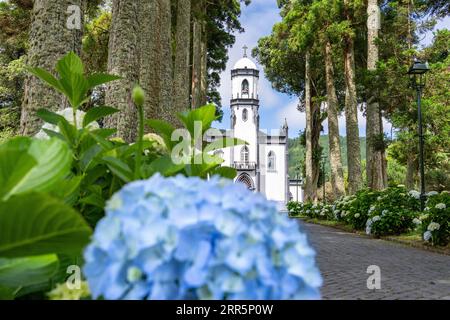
pixel 181 83
pixel 291 62
pixel 123 60
pixel 375 156
pixel 53 33
pixel 156 76
pixel 351 101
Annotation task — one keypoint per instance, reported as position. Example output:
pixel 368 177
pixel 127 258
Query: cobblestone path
pixel 406 273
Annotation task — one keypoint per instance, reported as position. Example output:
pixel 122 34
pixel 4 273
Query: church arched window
pixel 244 115
pixel 271 161
pixel 246 180
pixel 245 87
pixel 245 154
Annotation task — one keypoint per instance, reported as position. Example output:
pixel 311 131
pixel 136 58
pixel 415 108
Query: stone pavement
pixel 406 273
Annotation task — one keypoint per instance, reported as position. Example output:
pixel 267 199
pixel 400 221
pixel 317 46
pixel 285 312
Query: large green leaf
pixel 204 115
pixel 26 275
pixel 224 143
pixel 32 165
pixel 119 168
pixel 70 64
pixel 226 172
pixel 37 224
pixel 47 77
pixel 49 116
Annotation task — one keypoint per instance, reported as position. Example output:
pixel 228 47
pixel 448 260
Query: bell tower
pixel 245 113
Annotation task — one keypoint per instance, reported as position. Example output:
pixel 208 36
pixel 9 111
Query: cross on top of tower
pixel 245 51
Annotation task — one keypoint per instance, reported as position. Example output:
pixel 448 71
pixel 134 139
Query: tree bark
pixel 375 156
pixel 337 175
pixel 197 38
pixel 351 117
pixel 50 39
pixel 181 86
pixel 123 60
pixel 156 58
pixel 204 67
pixel 310 185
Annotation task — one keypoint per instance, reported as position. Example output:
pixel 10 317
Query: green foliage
pixel 393 212
pixel 191 148
pixel 354 210
pixel 49 227
pixel 436 219
pixel 318 211
pixel 35 226
pixel 25 165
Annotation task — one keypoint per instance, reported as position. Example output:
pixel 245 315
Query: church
pixel 262 165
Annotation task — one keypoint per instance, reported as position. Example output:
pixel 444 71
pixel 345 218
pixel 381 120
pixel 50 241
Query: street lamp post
pixel 417 73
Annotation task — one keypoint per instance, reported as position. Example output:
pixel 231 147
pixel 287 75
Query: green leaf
pixel 37 224
pixel 76 87
pixel 49 116
pixel 165 166
pixel 226 172
pixel 224 143
pixel 204 115
pixel 27 275
pixel 32 165
pixel 70 64
pixel 47 77
pixel 119 168
pixel 107 145
pixel 94 200
pixel 101 78
pixel 97 113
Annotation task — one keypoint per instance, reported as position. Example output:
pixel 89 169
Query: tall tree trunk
pixel 310 186
pixel 197 37
pixel 156 58
pixel 337 175
pixel 315 142
pixel 181 87
pixel 52 35
pixel 375 155
pixel 204 67
pixel 199 55
pixel 123 60
pixel 351 117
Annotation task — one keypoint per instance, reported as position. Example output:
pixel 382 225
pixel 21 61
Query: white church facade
pixel 262 164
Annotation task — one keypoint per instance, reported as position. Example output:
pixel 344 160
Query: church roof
pixel 245 63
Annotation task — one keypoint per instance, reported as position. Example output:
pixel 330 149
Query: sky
pixel 257 20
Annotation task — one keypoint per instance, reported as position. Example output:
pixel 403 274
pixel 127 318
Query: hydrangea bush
pixel 435 222
pixel 186 238
pixel 354 210
pixel 393 212
pixel 311 210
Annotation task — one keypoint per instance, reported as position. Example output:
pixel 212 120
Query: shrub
pixel 393 212
pixel 436 219
pixel 354 210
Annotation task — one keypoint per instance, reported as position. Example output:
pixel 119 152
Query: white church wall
pixel 275 180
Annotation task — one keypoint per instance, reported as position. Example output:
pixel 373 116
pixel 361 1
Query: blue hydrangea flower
pixel 186 238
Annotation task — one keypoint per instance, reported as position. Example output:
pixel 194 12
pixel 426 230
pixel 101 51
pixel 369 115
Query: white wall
pixel 275 181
